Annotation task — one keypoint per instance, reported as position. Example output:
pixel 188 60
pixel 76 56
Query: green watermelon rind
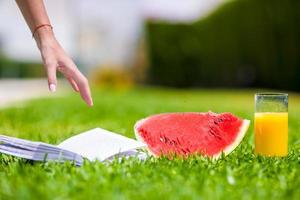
pixel 230 148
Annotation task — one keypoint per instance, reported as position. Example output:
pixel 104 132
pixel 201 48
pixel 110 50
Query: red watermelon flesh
pixel 184 134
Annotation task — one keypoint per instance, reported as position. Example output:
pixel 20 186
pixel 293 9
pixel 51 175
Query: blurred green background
pixel 245 43
pixel 10 68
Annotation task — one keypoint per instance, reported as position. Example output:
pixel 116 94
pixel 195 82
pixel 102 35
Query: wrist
pixel 44 36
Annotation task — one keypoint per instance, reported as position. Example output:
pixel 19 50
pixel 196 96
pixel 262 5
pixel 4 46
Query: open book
pixel 95 144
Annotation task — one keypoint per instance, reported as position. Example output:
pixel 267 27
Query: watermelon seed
pixel 213 133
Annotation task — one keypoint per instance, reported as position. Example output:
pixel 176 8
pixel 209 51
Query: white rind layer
pixel 139 138
pixel 136 126
pixel 227 150
pixel 237 140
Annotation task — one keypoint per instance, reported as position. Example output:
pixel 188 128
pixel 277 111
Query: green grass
pixel 241 175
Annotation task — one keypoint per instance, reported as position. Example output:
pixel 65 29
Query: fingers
pixel 83 86
pixel 51 72
pixel 78 81
pixel 55 58
pixel 73 84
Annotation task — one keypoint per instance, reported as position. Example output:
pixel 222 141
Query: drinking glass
pixel 271 124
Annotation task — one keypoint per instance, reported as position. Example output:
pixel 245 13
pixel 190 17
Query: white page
pixel 100 144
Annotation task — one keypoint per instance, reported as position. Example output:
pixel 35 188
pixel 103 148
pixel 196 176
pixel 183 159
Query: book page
pixel 100 144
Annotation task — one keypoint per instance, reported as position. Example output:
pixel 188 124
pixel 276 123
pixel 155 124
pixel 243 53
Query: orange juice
pixel 271 133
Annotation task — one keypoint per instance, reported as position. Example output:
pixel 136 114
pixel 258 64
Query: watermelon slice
pixel 184 134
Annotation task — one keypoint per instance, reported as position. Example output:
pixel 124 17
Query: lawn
pixel 241 175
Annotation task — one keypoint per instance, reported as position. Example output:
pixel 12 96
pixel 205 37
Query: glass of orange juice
pixel 271 124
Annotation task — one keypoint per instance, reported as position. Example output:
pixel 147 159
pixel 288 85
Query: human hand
pixel 55 58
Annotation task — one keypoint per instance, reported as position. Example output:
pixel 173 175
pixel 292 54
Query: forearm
pixel 35 14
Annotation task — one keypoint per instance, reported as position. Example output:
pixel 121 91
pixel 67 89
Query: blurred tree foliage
pixel 16 69
pixel 245 43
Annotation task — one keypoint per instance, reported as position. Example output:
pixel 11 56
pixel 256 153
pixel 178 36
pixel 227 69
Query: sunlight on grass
pixel 241 175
